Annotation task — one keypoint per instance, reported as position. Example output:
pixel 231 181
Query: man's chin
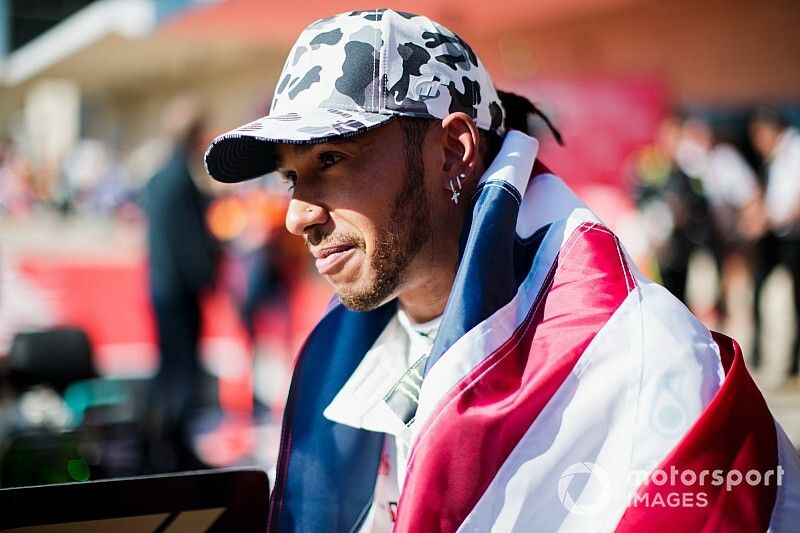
pixel 359 303
pixel 365 300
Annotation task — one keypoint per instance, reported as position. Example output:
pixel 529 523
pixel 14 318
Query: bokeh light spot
pixel 78 469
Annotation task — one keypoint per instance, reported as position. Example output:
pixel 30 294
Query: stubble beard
pixel 397 244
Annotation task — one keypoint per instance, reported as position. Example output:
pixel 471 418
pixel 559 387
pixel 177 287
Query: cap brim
pixel 249 151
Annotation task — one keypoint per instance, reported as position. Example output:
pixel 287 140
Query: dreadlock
pixel 519 112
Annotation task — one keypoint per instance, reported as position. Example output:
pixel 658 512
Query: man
pixel 491 359
pixel 182 263
pixel 674 200
pixel 730 190
pixel 779 147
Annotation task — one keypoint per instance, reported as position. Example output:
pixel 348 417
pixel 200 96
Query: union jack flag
pixel 564 392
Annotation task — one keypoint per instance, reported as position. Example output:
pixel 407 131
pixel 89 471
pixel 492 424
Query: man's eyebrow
pixel 354 140
pixel 304 148
pixel 299 149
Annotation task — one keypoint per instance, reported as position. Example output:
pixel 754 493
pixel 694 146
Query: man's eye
pixel 290 179
pixel 328 159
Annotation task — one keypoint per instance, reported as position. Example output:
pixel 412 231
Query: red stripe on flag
pixel 736 433
pixel 480 421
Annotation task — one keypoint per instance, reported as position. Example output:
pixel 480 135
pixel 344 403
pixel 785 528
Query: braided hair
pixel 520 110
pixel 519 115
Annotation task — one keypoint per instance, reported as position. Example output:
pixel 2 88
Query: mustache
pixel 319 238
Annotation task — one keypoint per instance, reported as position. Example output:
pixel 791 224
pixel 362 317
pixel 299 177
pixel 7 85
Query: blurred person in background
pixel 260 271
pixel 490 338
pixel 250 223
pixel 16 181
pixel 94 179
pixel 730 187
pixel 266 283
pixel 673 204
pixel 779 146
pixel 182 265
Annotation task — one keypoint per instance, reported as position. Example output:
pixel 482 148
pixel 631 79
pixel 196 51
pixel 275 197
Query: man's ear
pixel 460 146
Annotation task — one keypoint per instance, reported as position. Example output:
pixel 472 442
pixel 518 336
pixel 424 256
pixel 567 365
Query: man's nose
pixel 302 216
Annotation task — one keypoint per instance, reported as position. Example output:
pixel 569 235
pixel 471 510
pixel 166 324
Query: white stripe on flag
pixel 514 163
pixel 547 200
pixel 624 406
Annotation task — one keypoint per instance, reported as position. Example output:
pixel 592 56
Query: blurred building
pixel 105 68
pixel 105 71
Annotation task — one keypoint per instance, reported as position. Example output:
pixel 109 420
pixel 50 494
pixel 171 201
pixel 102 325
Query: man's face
pixel 363 209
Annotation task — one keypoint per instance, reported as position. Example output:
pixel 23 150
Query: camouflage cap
pixel 352 72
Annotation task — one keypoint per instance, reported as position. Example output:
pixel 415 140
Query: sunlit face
pixel 363 210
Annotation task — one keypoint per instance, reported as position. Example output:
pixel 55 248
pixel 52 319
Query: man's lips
pixel 332 258
pixel 330 250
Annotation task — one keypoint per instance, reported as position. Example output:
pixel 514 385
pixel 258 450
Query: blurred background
pixel 678 121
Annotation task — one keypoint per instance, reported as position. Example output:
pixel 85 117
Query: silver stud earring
pixel 456 194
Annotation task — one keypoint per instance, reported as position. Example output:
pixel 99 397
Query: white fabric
pixel 513 163
pixel 380 518
pixel 641 383
pixel 547 200
pixel 783 178
pixel 360 402
pixel 420 336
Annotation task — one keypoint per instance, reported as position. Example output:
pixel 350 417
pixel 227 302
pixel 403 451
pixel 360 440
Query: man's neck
pixel 429 278
pixel 427 299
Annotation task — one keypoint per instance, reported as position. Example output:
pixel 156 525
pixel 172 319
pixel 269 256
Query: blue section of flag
pixel 494 263
pixel 331 469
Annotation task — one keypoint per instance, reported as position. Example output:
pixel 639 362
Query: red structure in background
pixel 108 299
pixel 279 23
pixel 604 122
